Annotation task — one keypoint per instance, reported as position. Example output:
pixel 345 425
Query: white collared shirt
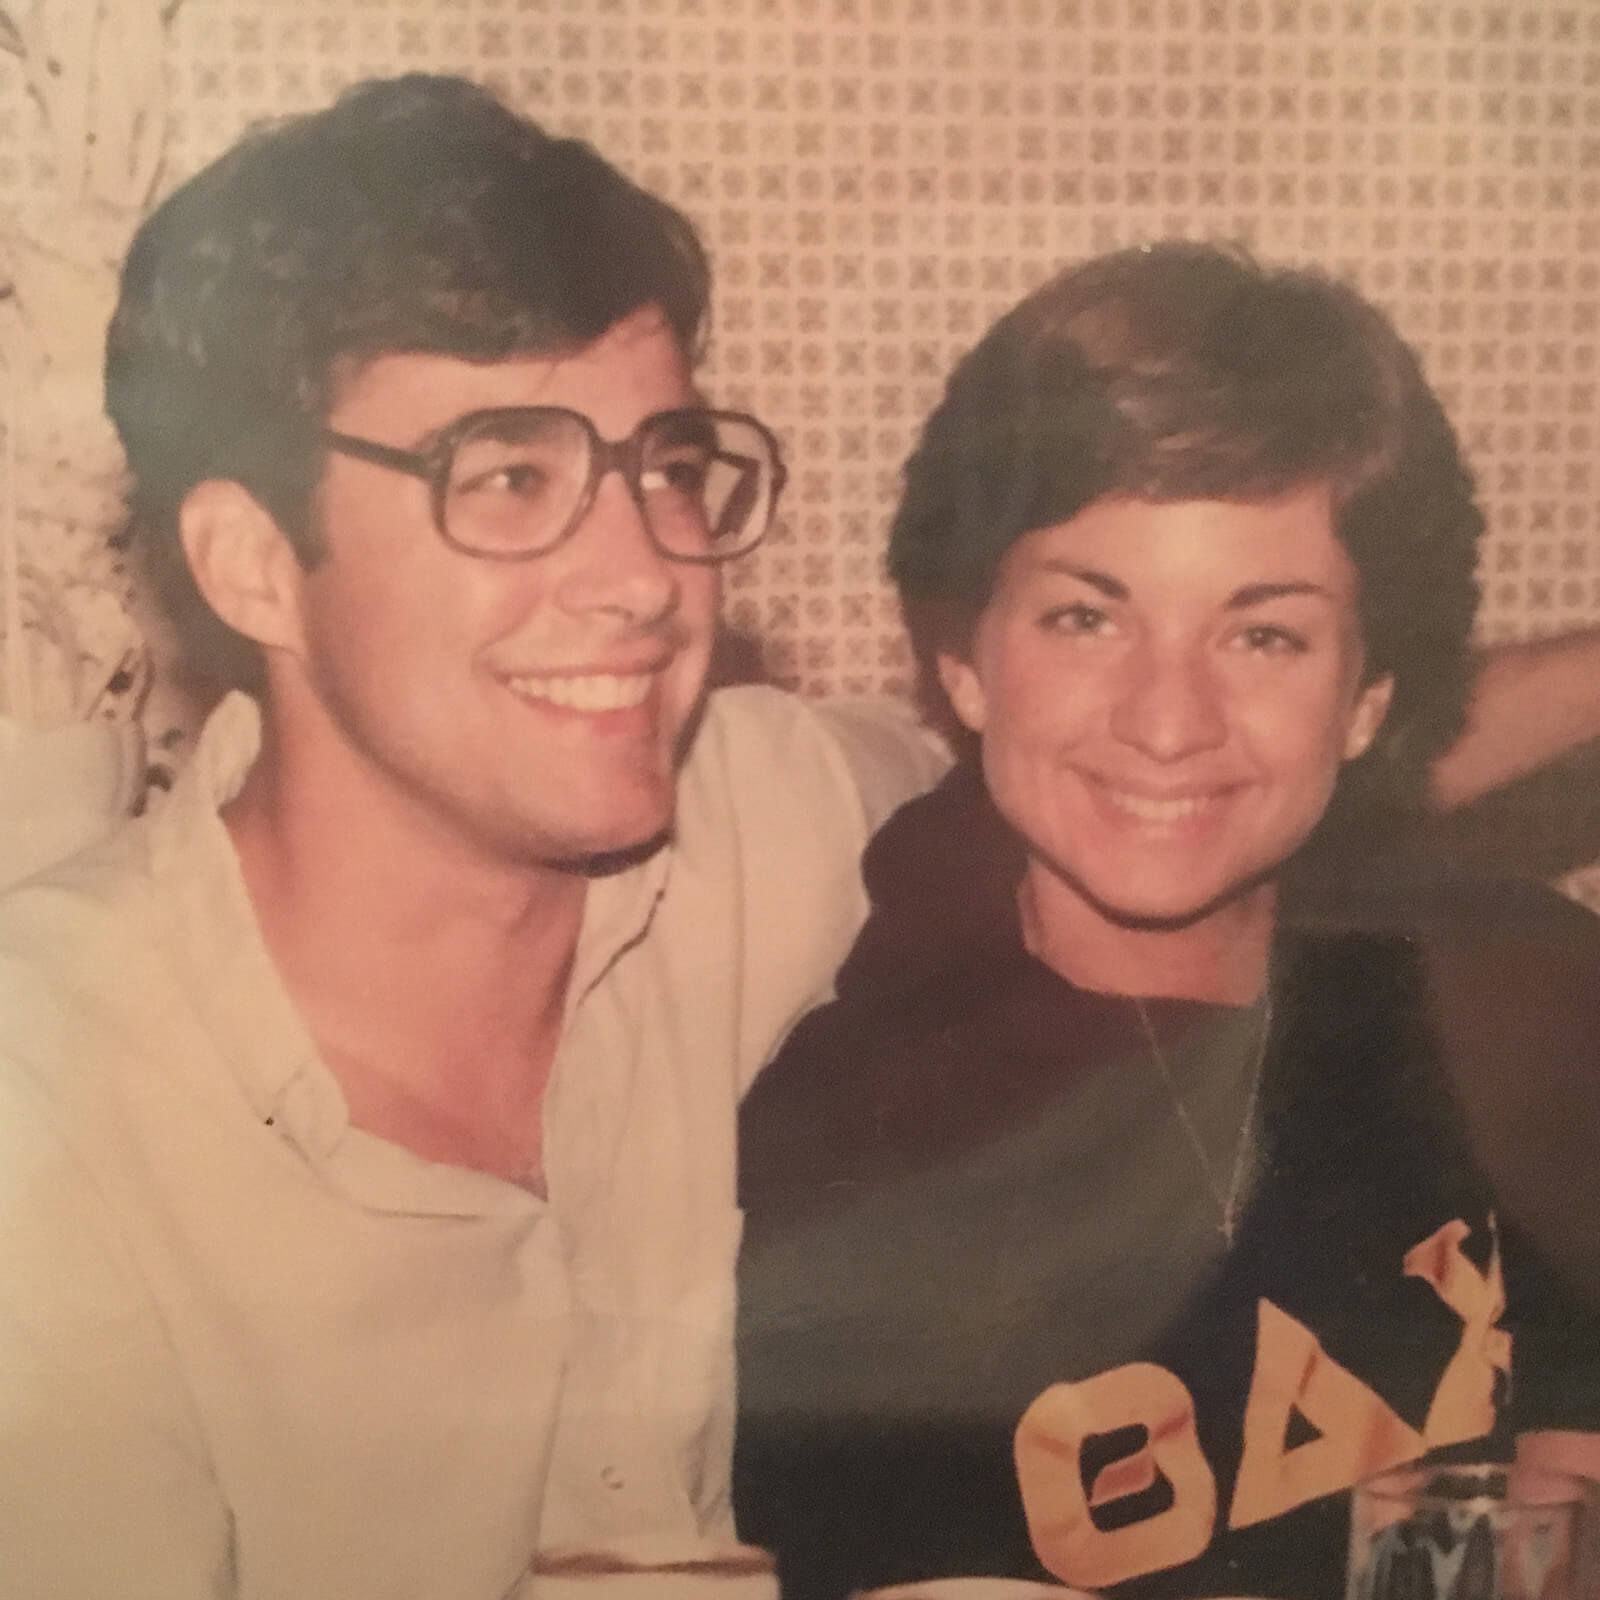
pixel 249 1350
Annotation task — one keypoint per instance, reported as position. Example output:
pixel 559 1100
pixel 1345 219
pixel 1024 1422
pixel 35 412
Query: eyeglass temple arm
pixel 382 455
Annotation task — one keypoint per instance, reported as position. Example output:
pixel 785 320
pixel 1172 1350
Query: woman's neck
pixel 1221 957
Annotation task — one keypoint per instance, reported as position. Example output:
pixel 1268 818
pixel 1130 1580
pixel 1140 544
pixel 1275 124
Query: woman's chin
pixel 1173 907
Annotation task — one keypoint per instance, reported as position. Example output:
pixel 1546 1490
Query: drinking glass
pixel 1477 1531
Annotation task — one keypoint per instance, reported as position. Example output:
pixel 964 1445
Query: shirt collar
pixel 227 971
pixel 617 912
pixel 210 925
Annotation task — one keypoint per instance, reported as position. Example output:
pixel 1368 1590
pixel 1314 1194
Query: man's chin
pixel 617 821
pixel 607 862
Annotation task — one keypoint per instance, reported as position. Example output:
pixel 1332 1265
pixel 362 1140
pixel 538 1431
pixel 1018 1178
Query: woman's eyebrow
pixel 1103 582
pixel 1251 594
pixel 1255 594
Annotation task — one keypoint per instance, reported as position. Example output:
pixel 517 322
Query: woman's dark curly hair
pixel 415 214
pixel 1185 371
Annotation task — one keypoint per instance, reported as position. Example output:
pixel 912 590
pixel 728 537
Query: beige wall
pixel 878 178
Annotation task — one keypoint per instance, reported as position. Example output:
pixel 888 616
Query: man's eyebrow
pixel 429 441
pixel 1255 594
pixel 1103 582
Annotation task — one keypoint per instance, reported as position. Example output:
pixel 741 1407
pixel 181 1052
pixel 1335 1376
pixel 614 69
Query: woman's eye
pixel 1076 619
pixel 1268 638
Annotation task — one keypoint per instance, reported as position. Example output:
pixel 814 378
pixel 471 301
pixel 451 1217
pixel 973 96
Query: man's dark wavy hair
pixel 1186 371
pixel 416 214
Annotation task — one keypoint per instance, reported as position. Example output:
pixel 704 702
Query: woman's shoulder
pixel 901 1077
pixel 803 1123
pixel 941 925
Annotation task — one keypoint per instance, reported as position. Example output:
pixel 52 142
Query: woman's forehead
pixel 1225 548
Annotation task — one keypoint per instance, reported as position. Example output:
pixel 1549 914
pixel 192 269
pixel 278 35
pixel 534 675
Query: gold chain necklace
pixel 1227 1200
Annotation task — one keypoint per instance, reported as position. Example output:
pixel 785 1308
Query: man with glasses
pixel 511 482
pixel 367 1213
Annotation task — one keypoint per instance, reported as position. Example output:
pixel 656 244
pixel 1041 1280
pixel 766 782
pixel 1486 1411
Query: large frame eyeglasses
pixel 513 482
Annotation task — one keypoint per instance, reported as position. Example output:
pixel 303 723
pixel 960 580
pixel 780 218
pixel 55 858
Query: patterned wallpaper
pixel 877 179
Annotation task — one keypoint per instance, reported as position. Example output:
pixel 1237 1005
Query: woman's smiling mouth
pixel 1163 810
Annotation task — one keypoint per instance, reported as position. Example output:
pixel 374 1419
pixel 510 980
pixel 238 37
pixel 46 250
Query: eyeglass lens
pixel 704 480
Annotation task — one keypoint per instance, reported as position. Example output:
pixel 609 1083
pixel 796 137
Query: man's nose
pixel 1170 704
pixel 610 562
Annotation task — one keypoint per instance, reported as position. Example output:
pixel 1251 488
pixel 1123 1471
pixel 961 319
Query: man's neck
pixel 431 976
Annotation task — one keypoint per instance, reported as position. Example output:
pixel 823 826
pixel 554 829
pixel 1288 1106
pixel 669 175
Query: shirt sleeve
pixel 105 1487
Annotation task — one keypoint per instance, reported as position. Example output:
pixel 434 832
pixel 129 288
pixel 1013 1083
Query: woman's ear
pixel 243 563
pixel 964 690
pixel 1366 716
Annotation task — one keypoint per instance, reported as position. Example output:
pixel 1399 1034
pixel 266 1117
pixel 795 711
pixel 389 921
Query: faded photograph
pixel 797 797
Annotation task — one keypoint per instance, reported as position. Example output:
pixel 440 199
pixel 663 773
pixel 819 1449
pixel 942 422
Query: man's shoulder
pixel 866 751
pixel 79 957
pixel 752 716
pixel 116 892
pixel 776 802
pixel 97 894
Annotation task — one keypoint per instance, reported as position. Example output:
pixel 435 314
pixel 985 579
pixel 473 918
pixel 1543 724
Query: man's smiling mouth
pixel 588 691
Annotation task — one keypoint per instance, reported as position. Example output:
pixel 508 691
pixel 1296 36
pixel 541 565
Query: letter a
pixel 1358 1432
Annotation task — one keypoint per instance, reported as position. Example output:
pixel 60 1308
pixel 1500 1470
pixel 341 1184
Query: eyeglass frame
pixel 432 465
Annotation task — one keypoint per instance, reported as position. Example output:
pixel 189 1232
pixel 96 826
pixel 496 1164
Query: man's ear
pixel 964 690
pixel 1366 716
pixel 242 563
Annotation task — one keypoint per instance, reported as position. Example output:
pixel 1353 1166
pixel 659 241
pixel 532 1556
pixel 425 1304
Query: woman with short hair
pixel 1107 1227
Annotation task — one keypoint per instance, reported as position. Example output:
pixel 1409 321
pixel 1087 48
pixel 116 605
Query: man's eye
pixel 686 473
pixel 520 478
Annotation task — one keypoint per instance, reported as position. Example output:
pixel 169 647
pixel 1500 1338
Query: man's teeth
pixel 592 691
pixel 1147 809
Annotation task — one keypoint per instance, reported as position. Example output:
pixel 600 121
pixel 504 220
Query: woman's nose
pixel 1170 705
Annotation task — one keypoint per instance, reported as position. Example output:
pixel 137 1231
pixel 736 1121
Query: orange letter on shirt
pixel 1463 1404
pixel 1359 1433
pixel 1049 1445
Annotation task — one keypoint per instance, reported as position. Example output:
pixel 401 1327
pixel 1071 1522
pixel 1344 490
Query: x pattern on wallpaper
pixel 877 179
